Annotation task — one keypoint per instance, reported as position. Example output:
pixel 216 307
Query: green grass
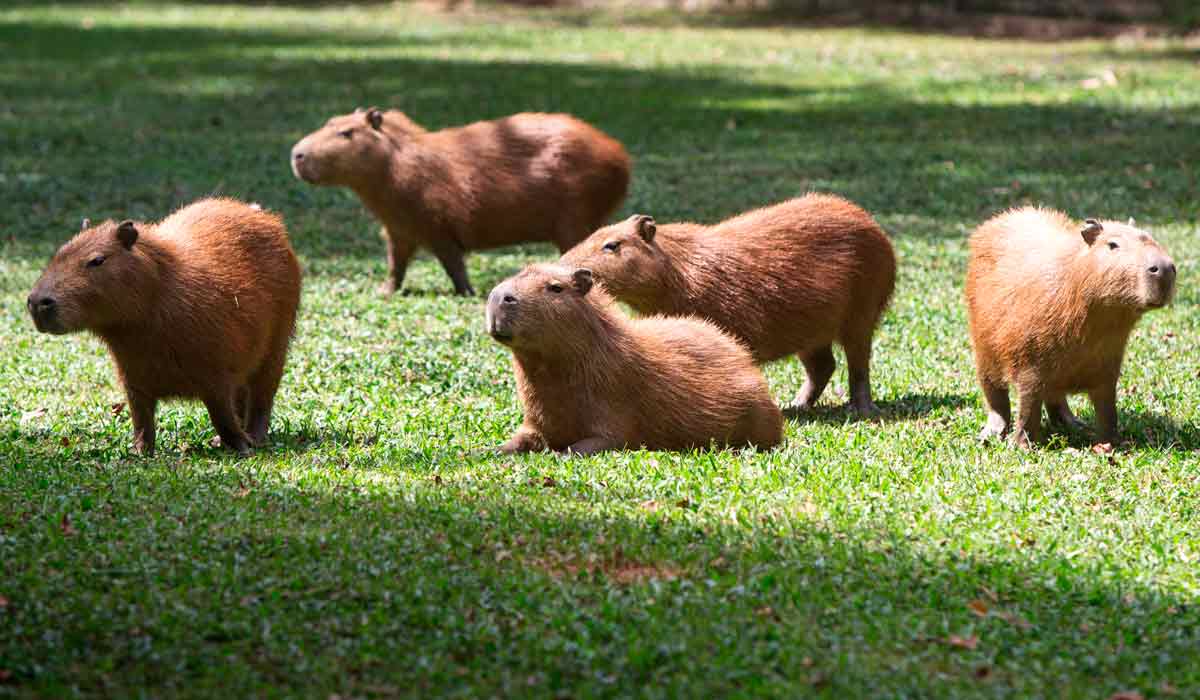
pixel 374 551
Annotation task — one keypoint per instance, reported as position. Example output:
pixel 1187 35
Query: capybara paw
pixel 995 427
pixel 387 288
pixel 465 292
pixel 864 409
pixel 142 449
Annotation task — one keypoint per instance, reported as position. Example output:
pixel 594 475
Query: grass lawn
pixel 374 550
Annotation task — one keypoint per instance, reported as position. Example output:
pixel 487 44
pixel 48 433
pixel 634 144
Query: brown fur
pixel 526 177
pixel 792 278
pixel 201 305
pixel 592 379
pixel 1051 311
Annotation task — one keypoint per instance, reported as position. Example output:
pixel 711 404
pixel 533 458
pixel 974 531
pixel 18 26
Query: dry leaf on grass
pixel 969 642
pixel 978 607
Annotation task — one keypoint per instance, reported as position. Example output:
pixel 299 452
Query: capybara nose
pixel 1163 268
pixel 509 299
pixel 42 306
pixel 297 156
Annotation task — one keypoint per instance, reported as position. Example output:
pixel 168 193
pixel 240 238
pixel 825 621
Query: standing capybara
pixel 527 177
pixel 1051 305
pixel 591 379
pixel 790 278
pixel 199 305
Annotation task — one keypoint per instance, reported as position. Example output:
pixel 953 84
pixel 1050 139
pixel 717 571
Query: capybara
pixel 526 177
pixel 1051 305
pixel 792 278
pixel 199 305
pixel 592 379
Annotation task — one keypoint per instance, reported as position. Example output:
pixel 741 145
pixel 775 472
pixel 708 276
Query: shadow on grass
pixel 907 407
pixel 491 590
pixel 216 110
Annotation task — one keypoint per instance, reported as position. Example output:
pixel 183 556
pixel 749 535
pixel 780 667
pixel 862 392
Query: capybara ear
pixel 1132 222
pixel 127 233
pixel 85 224
pixel 375 118
pixel 1091 230
pixel 646 227
pixel 583 280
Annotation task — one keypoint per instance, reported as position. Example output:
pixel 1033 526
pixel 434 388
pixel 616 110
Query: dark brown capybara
pixel 1051 304
pixel 591 379
pixel 199 305
pixel 526 177
pixel 792 278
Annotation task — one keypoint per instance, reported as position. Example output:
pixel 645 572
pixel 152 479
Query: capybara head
pixel 1129 268
pixel 97 279
pixel 625 258
pixel 349 149
pixel 539 307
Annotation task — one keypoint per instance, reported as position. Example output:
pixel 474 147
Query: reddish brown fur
pixel 1050 312
pixel 526 177
pixel 202 305
pixel 791 278
pixel 592 379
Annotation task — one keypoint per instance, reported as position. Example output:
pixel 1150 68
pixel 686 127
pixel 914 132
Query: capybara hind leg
pixel 1104 400
pixel 592 445
pixel 999 410
pixel 220 410
pixel 1059 413
pixel 141 410
pixel 450 255
pixel 526 439
pixel 263 387
pixel 1028 425
pixel 399 252
pixel 241 406
pixel 819 365
pixel 858 367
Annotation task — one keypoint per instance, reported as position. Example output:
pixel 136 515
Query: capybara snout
pixel 501 310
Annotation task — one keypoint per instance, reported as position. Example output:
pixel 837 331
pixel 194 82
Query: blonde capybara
pixel 526 177
pixel 200 305
pixel 1051 304
pixel 591 379
pixel 793 278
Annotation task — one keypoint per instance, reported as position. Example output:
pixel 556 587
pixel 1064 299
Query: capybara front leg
pixel 1104 400
pixel 999 410
pixel 591 446
pixel 819 365
pixel 220 410
pixel 399 252
pixel 141 410
pixel 450 255
pixel 526 439
pixel 1029 416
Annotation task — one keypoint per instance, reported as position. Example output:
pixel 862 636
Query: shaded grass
pixel 373 550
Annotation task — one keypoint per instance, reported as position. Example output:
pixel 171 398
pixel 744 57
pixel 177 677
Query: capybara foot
pixel 1062 417
pixel 386 288
pixel 240 446
pixel 1022 440
pixel 995 427
pixel 467 291
pixel 142 449
pixel 864 409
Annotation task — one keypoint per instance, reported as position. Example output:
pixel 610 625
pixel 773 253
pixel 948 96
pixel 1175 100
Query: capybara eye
pixel 96 261
pixel 346 134
pixel 555 287
pixel 1112 245
pixel 612 246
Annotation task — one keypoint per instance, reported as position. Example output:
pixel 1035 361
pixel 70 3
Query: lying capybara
pixel 526 177
pixel 790 278
pixel 592 379
pixel 199 305
pixel 1051 305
